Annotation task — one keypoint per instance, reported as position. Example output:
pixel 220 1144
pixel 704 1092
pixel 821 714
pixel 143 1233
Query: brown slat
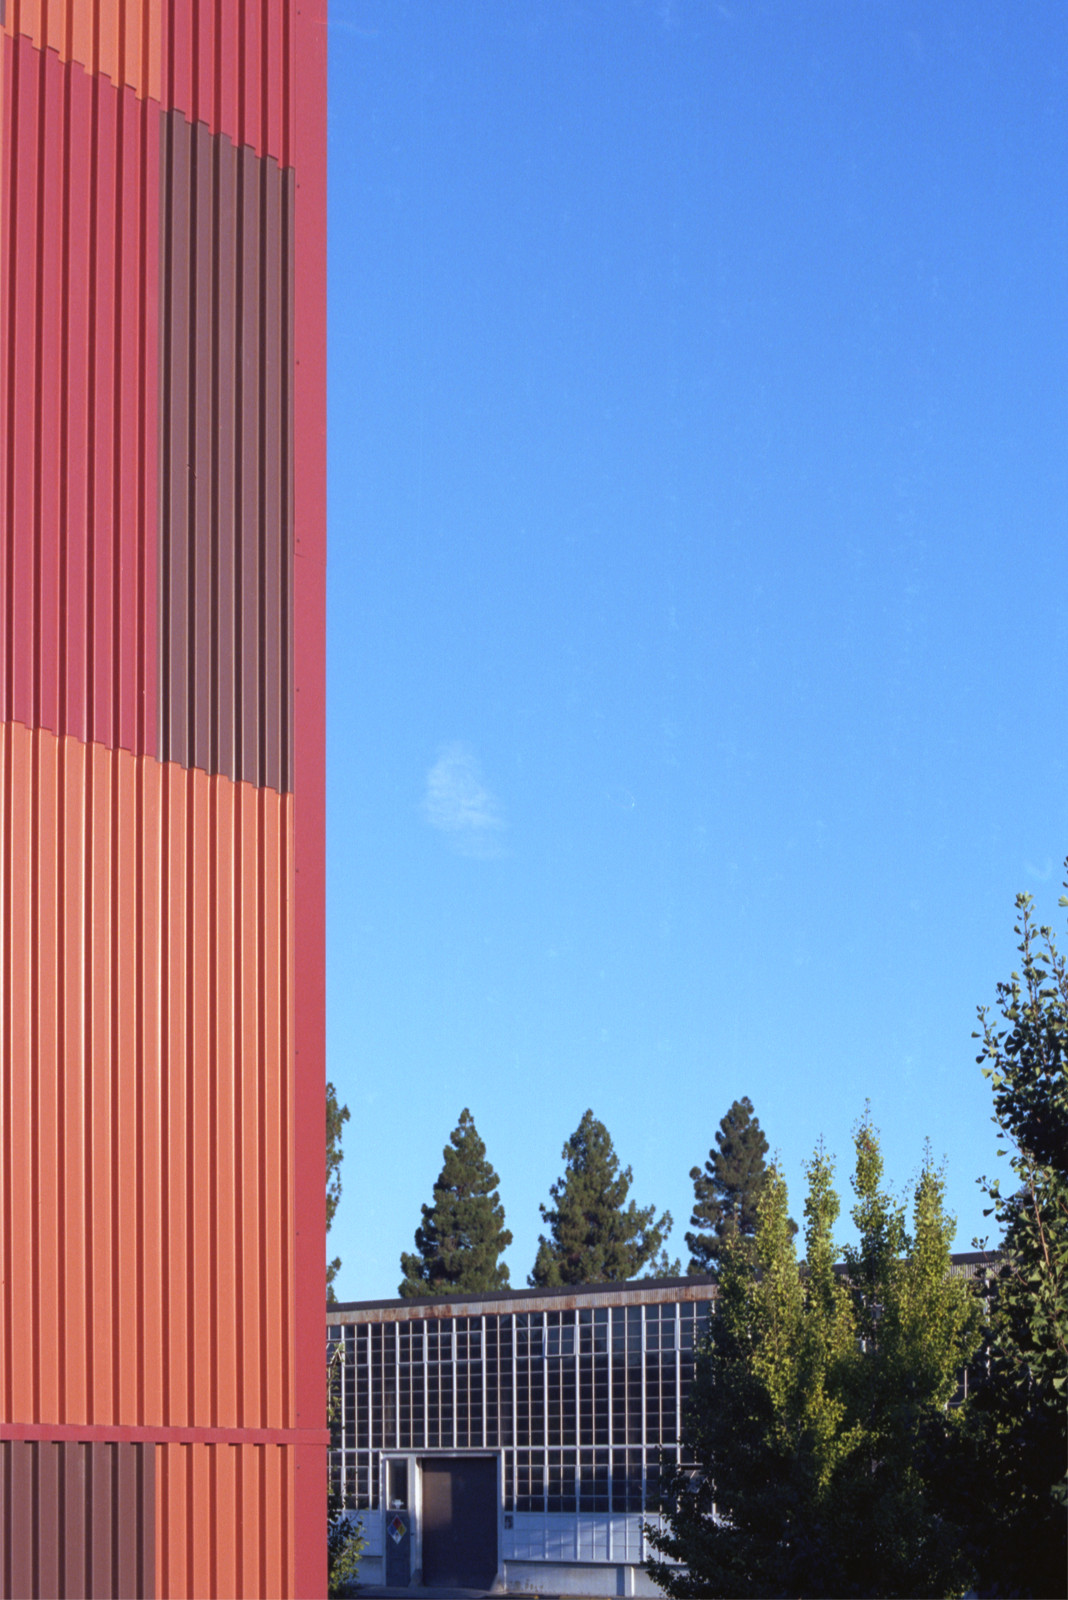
pixel 77 1520
pixel 16 1498
pixel 101 1519
pixel 176 141
pixel 250 360
pixel 75 1524
pixel 275 534
pixel 288 457
pixel 223 752
pixel 129 1512
pixel 50 1519
pixel 203 449
pixel 226 528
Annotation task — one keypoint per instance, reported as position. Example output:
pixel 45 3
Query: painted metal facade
pixel 162 568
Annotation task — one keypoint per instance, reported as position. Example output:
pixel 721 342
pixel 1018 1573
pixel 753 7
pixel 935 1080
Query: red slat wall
pixel 161 1029
pixel 79 305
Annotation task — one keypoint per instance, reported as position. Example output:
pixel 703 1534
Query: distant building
pixel 516 1437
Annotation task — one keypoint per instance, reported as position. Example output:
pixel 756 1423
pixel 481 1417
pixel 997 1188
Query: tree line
pixel 596 1234
pixel 833 1448
pixel 830 1444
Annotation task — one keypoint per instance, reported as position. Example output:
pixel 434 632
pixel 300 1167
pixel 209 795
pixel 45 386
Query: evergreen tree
pixel 725 1194
pixel 594 1235
pixel 459 1246
pixel 336 1118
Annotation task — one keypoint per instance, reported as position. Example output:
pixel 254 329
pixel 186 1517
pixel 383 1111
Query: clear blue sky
pixel 698 600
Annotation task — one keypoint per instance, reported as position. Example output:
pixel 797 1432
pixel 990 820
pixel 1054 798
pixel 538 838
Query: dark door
pixel 398 1549
pixel 460 1521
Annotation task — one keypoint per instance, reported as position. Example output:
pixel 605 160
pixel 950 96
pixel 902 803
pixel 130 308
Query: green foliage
pixel 1018 1444
pixel 1028 1071
pixel 815 1398
pixel 462 1238
pixel 336 1117
pixel 345 1538
pixel 727 1191
pixel 663 1266
pixel 345 1544
pixel 594 1235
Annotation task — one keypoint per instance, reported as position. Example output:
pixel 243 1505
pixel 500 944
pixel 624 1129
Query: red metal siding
pixel 78 355
pixel 145 1049
pixel 229 66
pixel 225 1521
pixel 226 541
pixel 162 395
pixel 232 69
pixel 115 39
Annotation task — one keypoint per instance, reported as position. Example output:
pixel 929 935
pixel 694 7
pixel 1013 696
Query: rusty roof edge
pixel 639 1291
pixel 633 1292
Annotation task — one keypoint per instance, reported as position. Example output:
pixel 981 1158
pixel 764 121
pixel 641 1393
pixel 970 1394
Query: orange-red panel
pixel 118 39
pixel 151 990
pixel 222 1520
pixel 49 1121
pixel 224 1209
pixel 253 1153
pixel 226 1511
pixel 202 1071
pixel 145 1091
pixel 72 759
pixel 16 1101
pixel 129 1240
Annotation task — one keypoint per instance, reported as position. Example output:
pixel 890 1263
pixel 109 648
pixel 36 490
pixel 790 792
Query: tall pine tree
pixel 725 1194
pixel 459 1246
pixel 594 1235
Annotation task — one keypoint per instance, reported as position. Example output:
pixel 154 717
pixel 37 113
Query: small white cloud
pixel 459 805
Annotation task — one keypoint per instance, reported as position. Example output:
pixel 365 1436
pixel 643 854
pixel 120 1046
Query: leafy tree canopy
pixel 810 1398
pixel 725 1194
pixel 1013 1476
pixel 336 1118
pixel 1027 1065
pixel 595 1236
pixel 462 1237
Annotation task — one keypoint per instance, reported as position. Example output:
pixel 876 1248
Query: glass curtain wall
pixel 582 1403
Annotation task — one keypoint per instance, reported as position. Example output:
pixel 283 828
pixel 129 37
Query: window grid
pixel 580 1402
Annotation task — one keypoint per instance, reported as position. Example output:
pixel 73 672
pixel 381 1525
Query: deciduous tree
pixel 807 1413
pixel 595 1235
pixel 462 1237
pixel 1019 1438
